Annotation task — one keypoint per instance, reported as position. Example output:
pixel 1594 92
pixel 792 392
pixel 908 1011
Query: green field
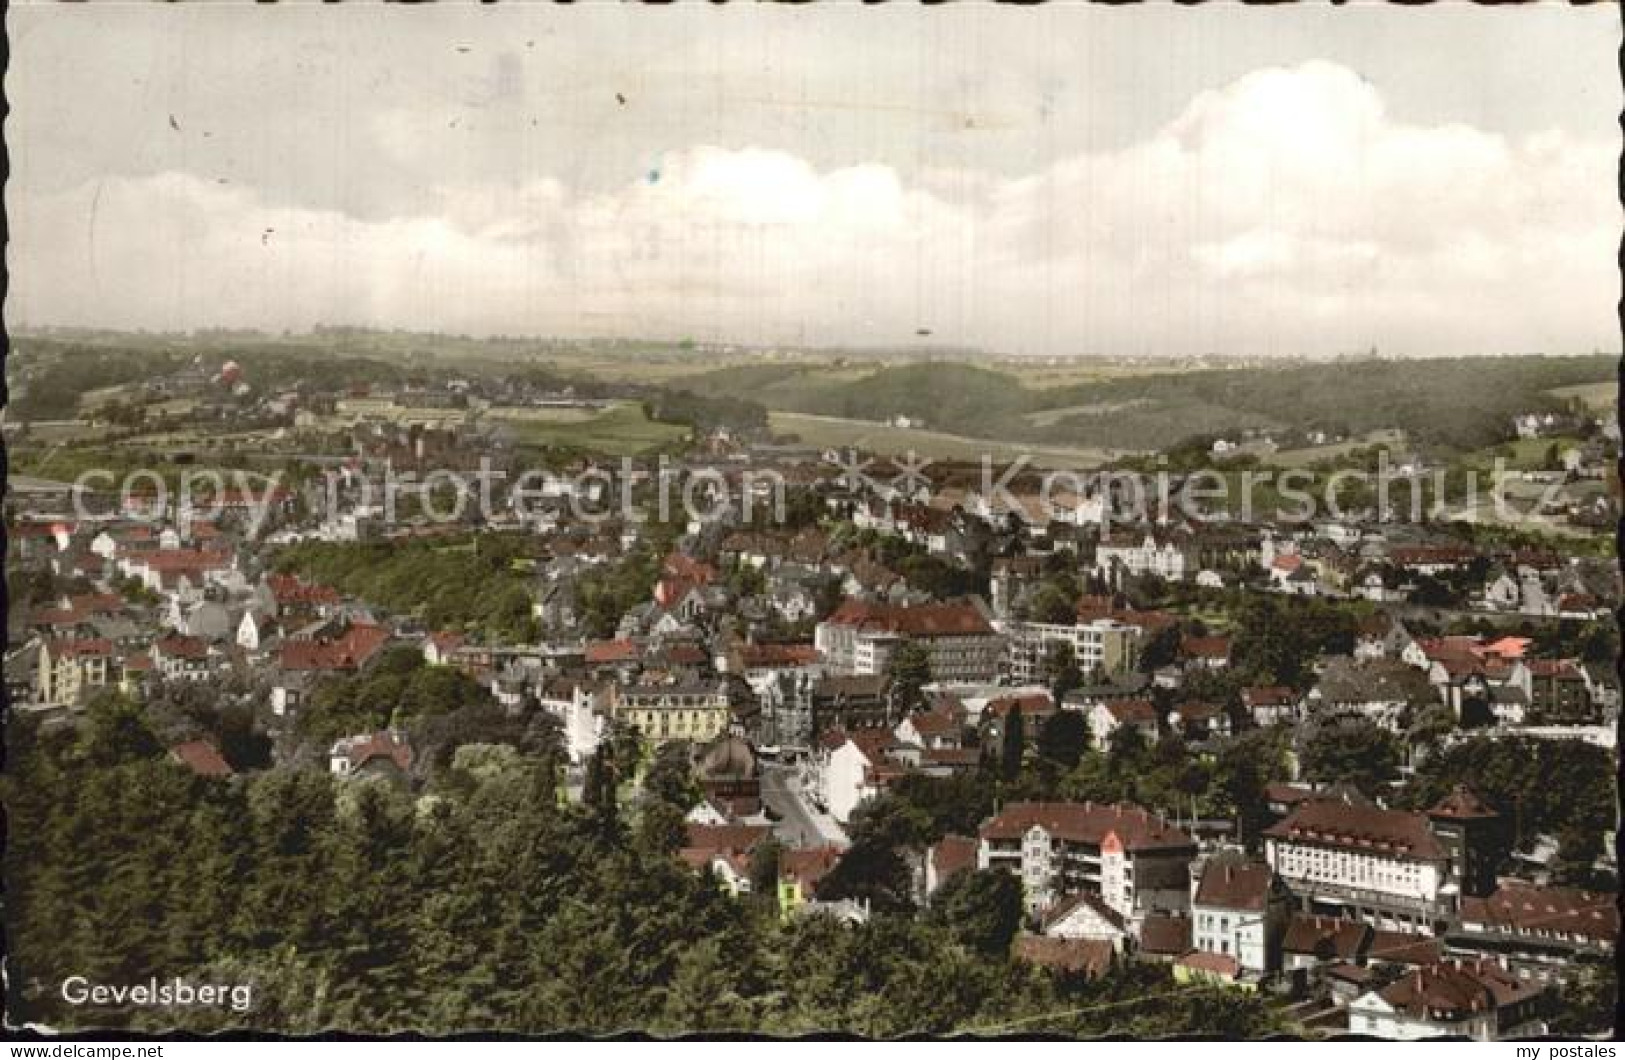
pixel 1599 397
pixel 886 440
pixel 622 430
pixel 1313 454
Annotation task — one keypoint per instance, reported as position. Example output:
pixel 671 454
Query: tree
pixel 1014 744
pixel 1052 604
pixel 1061 669
pixel 910 672
pixel 1063 737
pixel 1159 650
pixel 1357 752
pixel 981 909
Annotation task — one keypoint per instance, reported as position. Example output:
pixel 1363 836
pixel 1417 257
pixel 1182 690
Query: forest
pixel 483 903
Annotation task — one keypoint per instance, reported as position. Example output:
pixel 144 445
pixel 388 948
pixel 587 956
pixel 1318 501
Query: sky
pixel 1073 179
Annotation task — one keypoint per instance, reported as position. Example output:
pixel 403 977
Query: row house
pixel 1545 934
pixel 1134 860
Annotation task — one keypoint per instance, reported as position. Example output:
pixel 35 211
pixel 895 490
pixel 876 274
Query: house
pixel 1311 942
pixel 946 858
pixel 1545 934
pixel 1086 916
pixel 726 851
pixel 1199 722
pixel 1380 636
pixel 1035 708
pixel 800 871
pixel 934 730
pixel 1209 653
pixel 441 648
pixel 1477 1000
pixel 1383 866
pixel 181 658
pixel 1238 911
pixel 1136 861
pixel 1106 717
pixel 1270 704
pixel 1164 937
pixel 854 766
pixel 383 754
pixel 1383 691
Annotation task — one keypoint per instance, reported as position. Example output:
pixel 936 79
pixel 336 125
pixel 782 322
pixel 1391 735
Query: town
pixel 854 722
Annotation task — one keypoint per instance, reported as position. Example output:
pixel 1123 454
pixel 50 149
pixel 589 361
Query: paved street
pixel 799 823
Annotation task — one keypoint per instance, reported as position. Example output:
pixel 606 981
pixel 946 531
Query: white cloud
pixel 1284 213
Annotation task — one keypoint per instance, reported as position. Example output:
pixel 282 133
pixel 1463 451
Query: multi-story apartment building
pixel 1384 867
pixel 697 712
pixel 70 669
pixel 960 642
pixel 1134 860
pixel 1105 647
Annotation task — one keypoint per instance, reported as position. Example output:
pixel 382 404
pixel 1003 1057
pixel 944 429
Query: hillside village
pixel 1357 769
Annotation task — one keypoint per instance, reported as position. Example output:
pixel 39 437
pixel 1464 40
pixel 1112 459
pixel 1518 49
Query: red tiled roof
pixel 1165 935
pixel 954 853
pixel 1461 803
pixel 808 866
pixel 769 655
pixel 202 758
pixel 380 745
pixel 348 652
pixel 288 589
pixel 182 647
pixel 1206 647
pixel 1211 963
pixel 1231 886
pixel 77 647
pixel 1090 958
pixel 1132 711
pixel 1332 822
pixel 1441 992
pixel 926 620
pixel 610 651
pixel 1518 908
pixel 1029 705
pixel 726 838
pixel 1325 937
pixel 1267 696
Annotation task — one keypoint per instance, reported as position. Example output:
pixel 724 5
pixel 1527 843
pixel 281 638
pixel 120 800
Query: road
pixel 799 824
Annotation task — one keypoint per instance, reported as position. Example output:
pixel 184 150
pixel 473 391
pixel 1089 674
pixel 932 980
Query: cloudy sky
pixel 1071 179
